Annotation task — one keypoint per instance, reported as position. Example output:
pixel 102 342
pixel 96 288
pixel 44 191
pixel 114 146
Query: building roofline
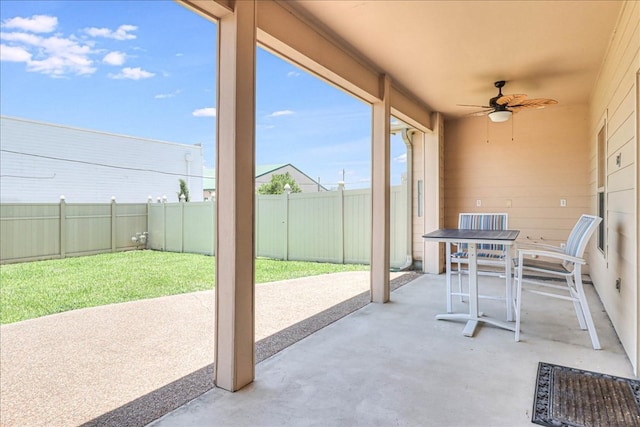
pixel 99 132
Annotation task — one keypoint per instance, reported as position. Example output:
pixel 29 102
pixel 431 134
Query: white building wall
pixel 39 162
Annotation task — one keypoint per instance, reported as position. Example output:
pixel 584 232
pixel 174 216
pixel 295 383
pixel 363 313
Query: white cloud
pixel 14 54
pixel 23 38
pixel 122 33
pixel 60 55
pixel 205 112
pixel 55 56
pixel 114 58
pixel 35 24
pixel 281 113
pixel 129 73
pixel 168 95
pixel 293 74
pixel 402 158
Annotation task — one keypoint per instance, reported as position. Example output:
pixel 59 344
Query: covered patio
pixel 391 362
pixel 394 364
pixel 418 62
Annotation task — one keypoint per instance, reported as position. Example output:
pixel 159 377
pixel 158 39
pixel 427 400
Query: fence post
pixel 63 227
pixel 341 228
pixel 182 203
pixel 286 225
pixel 114 222
pixel 164 223
pixel 213 227
pixel 146 227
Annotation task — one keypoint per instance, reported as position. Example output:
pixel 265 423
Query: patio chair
pixel 554 262
pixel 495 256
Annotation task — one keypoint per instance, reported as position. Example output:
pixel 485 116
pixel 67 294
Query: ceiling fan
pixel 502 106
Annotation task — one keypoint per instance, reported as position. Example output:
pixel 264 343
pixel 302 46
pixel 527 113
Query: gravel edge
pixel 156 404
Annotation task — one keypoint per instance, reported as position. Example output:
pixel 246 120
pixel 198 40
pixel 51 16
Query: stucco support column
pixel 380 194
pixel 235 171
pixel 433 166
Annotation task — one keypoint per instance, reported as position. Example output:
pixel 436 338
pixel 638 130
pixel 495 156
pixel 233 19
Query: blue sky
pixel 148 69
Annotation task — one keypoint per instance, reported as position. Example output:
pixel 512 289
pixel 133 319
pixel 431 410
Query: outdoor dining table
pixel 472 238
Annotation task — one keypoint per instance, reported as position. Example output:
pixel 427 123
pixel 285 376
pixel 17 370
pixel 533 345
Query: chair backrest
pixel 580 235
pixel 484 221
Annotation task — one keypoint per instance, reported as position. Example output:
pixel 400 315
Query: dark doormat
pixel 576 398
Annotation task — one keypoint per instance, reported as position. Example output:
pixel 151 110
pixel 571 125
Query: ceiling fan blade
pixel 516 109
pixel 534 103
pixel 509 100
pixel 480 113
pixel 476 106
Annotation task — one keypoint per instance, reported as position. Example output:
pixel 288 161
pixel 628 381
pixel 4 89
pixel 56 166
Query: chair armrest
pixel 550 254
pixel 539 246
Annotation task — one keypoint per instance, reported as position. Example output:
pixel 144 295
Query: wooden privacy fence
pixel 37 231
pixel 330 226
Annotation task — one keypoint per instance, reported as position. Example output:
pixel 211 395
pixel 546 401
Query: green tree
pixel 183 190
pixel 277 183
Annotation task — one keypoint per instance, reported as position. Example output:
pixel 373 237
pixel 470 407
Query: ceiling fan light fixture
pixel 500 116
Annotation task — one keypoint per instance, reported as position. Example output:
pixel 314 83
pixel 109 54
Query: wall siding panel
pixel 615 98
pixel 88 166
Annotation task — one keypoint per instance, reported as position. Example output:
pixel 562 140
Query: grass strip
pixel 39 288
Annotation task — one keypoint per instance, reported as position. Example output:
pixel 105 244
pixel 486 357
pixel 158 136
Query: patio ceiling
pixel 451 52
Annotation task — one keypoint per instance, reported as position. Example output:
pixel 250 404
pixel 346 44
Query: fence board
pixel 173 226
pixel 399 250
pixel 199 222
pixel 357 227
pixel 271 226
pixel 155 224
pixel 29 232
pixel 33 231
pixel 131 218
pixel 88 228
pixel 315 227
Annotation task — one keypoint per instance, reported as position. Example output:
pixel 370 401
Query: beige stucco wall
pixel 523 167
pixel 615 100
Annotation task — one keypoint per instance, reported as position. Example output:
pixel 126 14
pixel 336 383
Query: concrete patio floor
pixel 127 364
pixel 395 365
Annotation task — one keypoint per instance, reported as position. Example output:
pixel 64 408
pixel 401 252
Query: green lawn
pixel 35 289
